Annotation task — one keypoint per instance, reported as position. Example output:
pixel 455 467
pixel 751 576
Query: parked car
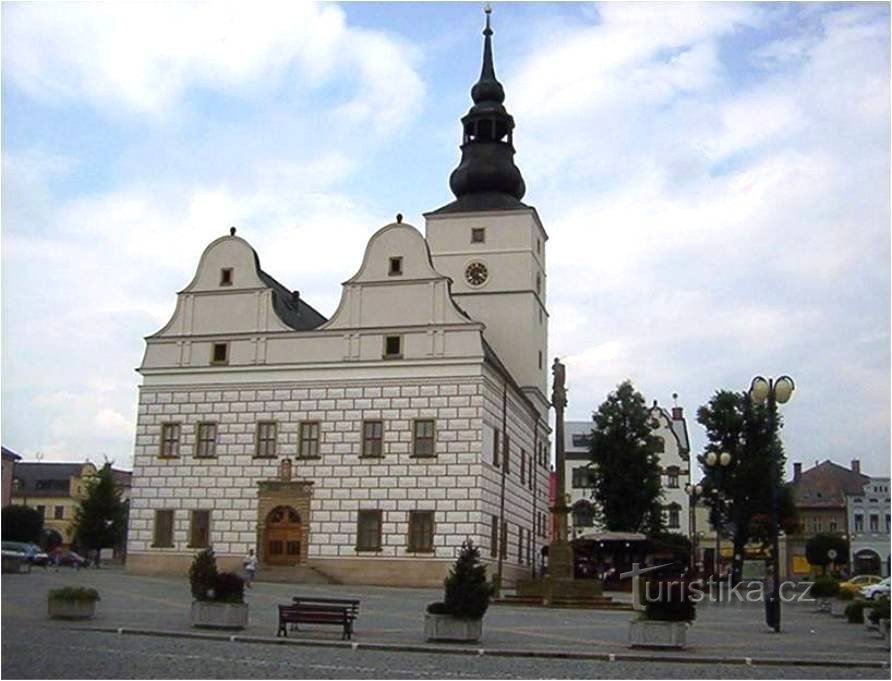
pixel 855 584
pixel 72 559
pixel 33 553
pixel 877 590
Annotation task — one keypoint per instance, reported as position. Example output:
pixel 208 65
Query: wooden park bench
pixel 333 611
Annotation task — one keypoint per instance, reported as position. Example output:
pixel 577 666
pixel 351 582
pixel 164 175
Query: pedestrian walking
pixel 250 564
pixel 56 556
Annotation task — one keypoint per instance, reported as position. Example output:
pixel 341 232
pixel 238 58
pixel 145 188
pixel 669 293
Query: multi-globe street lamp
pixel 693 492
pixel 717 463
pixel 773 392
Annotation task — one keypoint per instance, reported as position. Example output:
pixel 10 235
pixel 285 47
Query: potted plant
pixel 668 612
pixel 855 611
pixel 72 602
pixel 459 617
pixel 822 590
pixel 219 597
pixel 840 604
pixel 879 615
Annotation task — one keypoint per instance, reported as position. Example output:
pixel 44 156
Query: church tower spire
pixel 487 178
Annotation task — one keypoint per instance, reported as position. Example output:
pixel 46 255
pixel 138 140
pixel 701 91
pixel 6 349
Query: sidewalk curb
pixel 680 658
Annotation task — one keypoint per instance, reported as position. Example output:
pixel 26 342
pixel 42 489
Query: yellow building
pixel 54 489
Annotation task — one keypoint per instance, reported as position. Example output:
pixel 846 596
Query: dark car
pixel 33 553
pixel 72 559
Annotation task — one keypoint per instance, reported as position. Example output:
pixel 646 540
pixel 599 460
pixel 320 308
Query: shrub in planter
pixel 459 616
pixel 72 602
pixel 219 596
pixel 824 587
pixel 879 610
pixel 855 611
pixel 668 612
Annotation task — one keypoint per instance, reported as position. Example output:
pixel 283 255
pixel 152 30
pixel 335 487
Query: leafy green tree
pixel 627 471
pixel 22 523
pixel 818 548
pixel 100 520
pixel 743 500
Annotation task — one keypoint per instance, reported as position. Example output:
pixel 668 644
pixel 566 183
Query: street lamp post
pixel 773 392
pixel 693 492
pixel 718 462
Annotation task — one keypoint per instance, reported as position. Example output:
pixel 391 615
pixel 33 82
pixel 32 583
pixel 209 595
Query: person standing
pixel 250 564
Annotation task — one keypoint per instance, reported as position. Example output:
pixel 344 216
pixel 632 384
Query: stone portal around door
pixel 283 521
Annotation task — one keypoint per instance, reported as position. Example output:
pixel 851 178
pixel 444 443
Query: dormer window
pixel 478 235
pixel 226 276
pixel 396 267
pixel 393 347
pixel 220 353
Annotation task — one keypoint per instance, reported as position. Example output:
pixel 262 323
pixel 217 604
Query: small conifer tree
pixel 203 575
pixel 467 591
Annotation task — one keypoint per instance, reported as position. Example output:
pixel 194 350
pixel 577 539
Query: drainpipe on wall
pixel 534 474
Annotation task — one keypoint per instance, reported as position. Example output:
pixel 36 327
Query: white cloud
pixel 146 57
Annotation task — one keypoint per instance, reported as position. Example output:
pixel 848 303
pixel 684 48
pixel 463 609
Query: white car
pixel 876 590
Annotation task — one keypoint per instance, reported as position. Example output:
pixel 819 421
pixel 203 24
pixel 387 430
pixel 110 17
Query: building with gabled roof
pixel 370 445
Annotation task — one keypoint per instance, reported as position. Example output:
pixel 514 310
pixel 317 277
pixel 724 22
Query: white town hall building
pixel 370 445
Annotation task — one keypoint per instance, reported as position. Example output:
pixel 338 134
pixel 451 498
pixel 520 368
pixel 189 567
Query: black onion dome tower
pixel 486 178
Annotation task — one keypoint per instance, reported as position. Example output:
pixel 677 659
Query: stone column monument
pixel 560 553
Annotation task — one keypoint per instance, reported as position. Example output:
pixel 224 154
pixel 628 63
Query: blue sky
pixel 714 179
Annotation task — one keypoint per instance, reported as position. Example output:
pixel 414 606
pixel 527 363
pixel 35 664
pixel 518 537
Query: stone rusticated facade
pixel 460 484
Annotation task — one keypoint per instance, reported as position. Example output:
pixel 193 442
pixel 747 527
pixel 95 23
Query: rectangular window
pixel 226 276
pixel 859 522
pixel 59 512
pixel 583 477
pixel 170 440
pixel 540 359
pixel 672 477
pixel 163 528
pixel 309 440
pixel 42 511
pixel 220 353
pixel 478 235
pixel 503 542
pixel 396 267
pixel 874 523
pixel 834 526
pixel 887 523
pixel 393 347
pixel 372 438
pixel 200 529
pixel 421 531
pixel 674 521
pixel 206 440
pixel 494 536
pixel 520 545
pixel 530 547
pixel 423 443
pixel 368 532
pixel 506 453
pixel 266 439
pixel 523 467
pixel 495 447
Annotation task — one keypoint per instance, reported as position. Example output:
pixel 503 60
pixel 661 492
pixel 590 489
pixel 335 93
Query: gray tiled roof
pixel 55 475
pixel 290 308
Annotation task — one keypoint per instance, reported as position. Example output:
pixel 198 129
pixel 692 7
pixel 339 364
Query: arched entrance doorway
pixel 282 536
pixel 867 562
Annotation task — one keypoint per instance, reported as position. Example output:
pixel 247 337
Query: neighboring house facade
pixel 868 520
pixel 55 490
pixel 369 445
pixel 9 461
pixel 819 495
pixel 669 429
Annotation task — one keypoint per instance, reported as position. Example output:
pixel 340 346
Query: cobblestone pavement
pixel 395 616
pixel 33 653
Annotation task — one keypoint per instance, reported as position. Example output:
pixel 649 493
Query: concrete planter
pixel 449 628
pixel 210 615
pixel 838 607
pixel 71 609
pixel 658 634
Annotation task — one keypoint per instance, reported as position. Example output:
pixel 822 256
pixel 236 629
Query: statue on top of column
pixel 559 387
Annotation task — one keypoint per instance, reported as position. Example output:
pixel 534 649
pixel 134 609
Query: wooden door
pixel 283 536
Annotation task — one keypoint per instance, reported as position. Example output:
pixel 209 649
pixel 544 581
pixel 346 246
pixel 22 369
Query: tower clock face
pixel 476 274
